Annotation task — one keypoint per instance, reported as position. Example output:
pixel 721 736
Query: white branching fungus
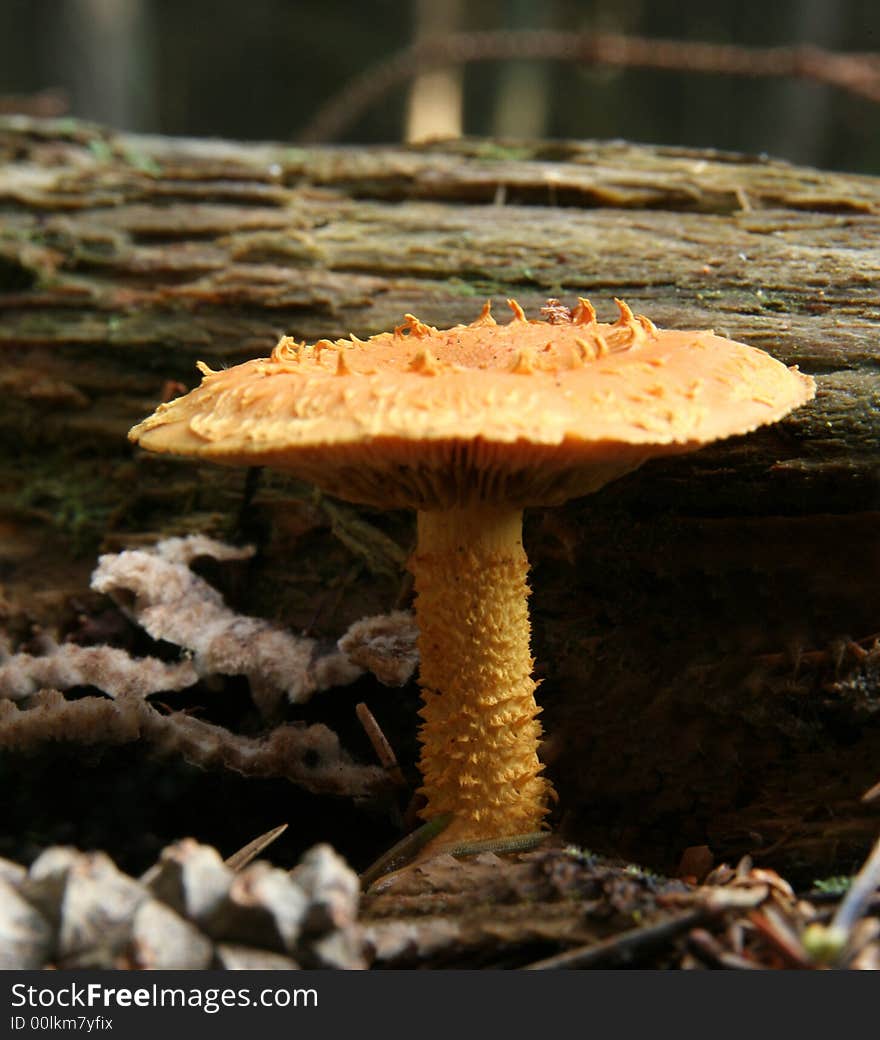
pixel 157 589
pixel 111 670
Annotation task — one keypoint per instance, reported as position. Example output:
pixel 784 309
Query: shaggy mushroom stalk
pixel 480 734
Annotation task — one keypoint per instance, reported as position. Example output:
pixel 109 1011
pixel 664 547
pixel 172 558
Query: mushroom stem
pixel 480 734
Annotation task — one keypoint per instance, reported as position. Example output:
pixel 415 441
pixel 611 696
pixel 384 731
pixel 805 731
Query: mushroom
pixel 469 425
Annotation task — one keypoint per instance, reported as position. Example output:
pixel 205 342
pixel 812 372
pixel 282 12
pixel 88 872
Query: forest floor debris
pixel 553 907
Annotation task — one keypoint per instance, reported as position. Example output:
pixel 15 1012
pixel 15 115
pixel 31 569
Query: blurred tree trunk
pixel 797 114
pixel 435 102
pixel 522 103
pixel 104 50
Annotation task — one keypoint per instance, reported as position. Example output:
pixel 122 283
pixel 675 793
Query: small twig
pixel 860 894
pixel 833 944
pixel 404 596
pixel 45 104
pixel 706 947
pixel 717 898
pixel 413 850
pixel 857 73
pixel 818 658
pixel 240 859
pixel 404 851
pixel 776 931
pixel 512 843
pixel 329 603
pixel 384 751
pixel 243 530
pixel 623 948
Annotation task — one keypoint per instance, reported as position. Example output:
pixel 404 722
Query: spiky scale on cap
pixel 584 313
pixel 523 362
pixel 287 350
pixel 412 326
pixel 425 363
pixel 637 325
pixel 646 323
pixel 626 315
pixel 518 313
pixel 586 351
pixel 342 368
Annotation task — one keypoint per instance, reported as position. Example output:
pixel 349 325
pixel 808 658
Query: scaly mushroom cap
pixel 530 412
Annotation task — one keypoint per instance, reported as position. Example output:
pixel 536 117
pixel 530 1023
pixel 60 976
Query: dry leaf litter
pixel 554 907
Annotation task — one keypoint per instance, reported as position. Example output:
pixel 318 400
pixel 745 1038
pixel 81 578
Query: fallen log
pixel 704 627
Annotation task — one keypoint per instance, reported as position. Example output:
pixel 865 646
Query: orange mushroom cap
pixel 529 412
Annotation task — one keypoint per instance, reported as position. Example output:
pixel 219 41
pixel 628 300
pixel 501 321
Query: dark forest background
pixel 260 69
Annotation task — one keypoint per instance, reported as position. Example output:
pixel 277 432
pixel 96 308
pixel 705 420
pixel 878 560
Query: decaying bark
pixel 702 628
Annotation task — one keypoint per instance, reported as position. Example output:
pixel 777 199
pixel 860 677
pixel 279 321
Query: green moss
pixel 491 151
pixel 635 871
pixel 67 495
pixel 101 150
pixel 144 163
pixel 774 302
pixel 836 885
pixel 295 156
pixel 459 288
pixel 41 324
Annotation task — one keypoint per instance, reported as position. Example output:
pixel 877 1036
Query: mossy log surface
pixel 691 621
